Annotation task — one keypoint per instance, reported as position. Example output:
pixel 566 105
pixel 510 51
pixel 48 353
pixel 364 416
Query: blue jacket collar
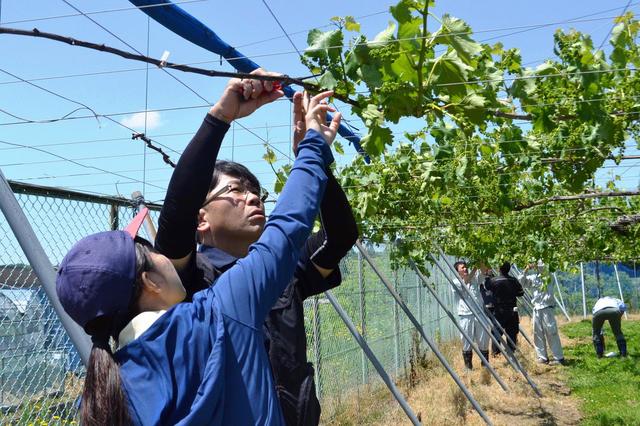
pixel 220 260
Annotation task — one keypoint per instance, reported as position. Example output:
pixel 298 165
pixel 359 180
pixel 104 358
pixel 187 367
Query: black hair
pixel 458 263
pixel 505 268
pixel 236 170
pixel 103 398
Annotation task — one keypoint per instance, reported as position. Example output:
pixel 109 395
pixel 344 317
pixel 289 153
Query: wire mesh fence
pixel 341 366
pixel 40 371
pixel 41 374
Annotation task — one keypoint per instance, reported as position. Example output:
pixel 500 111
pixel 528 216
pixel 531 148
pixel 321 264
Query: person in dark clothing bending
pixel 231 219
pixel 506 290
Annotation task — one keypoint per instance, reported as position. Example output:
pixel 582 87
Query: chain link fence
pixel 41 374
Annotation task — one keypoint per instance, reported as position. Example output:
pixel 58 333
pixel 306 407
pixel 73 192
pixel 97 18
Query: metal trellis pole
pixel 528 300
pixel 426 338
pixel 41 265
pixel 376 364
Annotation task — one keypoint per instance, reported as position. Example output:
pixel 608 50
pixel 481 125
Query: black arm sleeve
pixel 518 288
pixel 490 284
pixel 339 226
pixel 308 280
pixel 188 189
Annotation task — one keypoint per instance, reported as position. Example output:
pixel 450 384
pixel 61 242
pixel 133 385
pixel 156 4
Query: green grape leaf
pixel 451 73
pixel 376 141
pixel 455 33
pixel 350 24
pixel 328 81
pixel 270 155
pixel 372 116
pixel 324 45
pixel 384 37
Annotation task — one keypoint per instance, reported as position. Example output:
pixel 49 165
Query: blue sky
pixel 109 162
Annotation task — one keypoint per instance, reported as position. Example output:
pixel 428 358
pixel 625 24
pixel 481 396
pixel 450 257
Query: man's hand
pixel 316 116
pixel 242 97
pixel 300 126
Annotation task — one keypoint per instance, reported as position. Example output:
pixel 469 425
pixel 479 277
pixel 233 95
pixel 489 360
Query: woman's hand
pixel 300 126
pixel 316 116
pixel 242 97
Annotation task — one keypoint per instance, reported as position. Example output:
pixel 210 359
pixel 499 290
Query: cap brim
pixel 133 227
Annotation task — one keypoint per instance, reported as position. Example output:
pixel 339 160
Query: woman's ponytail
pixel 103 397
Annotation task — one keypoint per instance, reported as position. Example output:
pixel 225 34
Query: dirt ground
pixel 438 401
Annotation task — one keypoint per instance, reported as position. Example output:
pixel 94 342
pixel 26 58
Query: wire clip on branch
pixel 164 58
pixel 146 140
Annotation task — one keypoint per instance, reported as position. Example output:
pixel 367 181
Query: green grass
pixel 609 387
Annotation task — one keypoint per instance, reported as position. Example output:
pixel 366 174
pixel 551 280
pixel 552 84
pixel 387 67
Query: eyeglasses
pixel 237 188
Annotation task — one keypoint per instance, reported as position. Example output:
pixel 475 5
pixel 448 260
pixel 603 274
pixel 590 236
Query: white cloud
pixel 136 121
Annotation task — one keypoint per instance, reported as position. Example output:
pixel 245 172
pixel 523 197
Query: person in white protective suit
pixel 468 321
pixel 545 328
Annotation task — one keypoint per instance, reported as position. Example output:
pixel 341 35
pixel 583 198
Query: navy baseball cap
pixel 96 277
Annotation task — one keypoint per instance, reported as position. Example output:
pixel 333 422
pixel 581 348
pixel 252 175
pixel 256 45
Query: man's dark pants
pixel 509 320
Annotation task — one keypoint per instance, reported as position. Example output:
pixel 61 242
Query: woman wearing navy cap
pixel 202 362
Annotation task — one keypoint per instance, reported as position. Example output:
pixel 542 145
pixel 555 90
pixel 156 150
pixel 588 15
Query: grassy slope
pixel 610 387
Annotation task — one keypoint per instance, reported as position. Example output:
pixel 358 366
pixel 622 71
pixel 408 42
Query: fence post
pixel 316 346
pixel 396 326
pixel 419 300
pixel 635 286
pixel 436 276
pixel 584 297
pixel 615 268
pixel 114 219
pixel 363 323
pixel 561 301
